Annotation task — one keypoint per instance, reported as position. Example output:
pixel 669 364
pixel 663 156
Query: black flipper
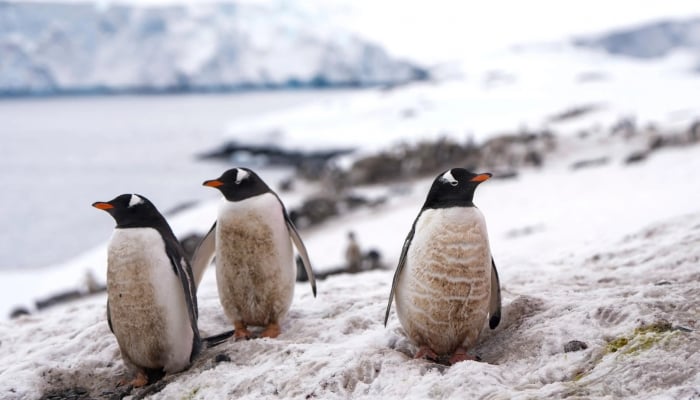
pixel 299 244
pixel 216 340
pixel 109 318
pixel 495 300
pixel 203 255
pixel 399 268
pixel 182 268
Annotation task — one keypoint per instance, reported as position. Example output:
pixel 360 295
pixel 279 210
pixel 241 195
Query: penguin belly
pixel 146 302
pixel 443 294
pixel 255 270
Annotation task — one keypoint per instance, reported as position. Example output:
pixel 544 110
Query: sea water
pixel 59 155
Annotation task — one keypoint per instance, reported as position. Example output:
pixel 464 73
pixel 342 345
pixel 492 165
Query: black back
pixel 238 184
pixel 454 188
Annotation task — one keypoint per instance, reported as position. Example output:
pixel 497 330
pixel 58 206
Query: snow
pixel 611 250
pixel 94 47
pixel 542 81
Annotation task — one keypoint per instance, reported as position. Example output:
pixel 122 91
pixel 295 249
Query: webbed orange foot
pixel 426 352
pixel 140 380
pixel 241 331
pixel 271 331
pixel 461 355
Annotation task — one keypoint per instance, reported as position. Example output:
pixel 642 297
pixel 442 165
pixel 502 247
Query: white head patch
pixel 241 174
pixel 135 200
pixel 447 177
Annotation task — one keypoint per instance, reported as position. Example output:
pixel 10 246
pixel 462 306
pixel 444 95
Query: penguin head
pixel 239 184
pixel 131 210
pixel 454 188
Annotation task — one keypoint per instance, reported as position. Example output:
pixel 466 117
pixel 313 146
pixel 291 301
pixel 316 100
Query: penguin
pixel 151 295
pixel 255 267
pixel 446 284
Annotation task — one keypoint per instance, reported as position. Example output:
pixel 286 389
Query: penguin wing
pixel 399 269
pixel 301 249
pixel 109 318
pixel 203 255
pixel 182 269
pixel 495 299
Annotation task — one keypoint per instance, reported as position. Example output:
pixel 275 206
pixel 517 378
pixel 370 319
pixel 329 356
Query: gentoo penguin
pixel 446 283
pixel 151 294
pixel 255 268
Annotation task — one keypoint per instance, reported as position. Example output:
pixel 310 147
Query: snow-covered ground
pixel 607 256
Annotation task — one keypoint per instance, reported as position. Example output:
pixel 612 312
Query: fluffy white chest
pixel 443 292
pixel 146 300
pixel 255 268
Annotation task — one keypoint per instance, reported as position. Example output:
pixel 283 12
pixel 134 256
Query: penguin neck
pixel 447 203
pixel 158 224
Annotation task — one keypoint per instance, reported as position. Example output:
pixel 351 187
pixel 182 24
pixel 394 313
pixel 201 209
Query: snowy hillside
pixel 606 256
pixel 97 47
pixel 651 40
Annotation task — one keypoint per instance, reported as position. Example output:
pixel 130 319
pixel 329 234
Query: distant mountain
pixel 650 40
pixel 54 47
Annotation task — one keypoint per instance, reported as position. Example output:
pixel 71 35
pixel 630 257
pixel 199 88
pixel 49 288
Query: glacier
pixel 98 47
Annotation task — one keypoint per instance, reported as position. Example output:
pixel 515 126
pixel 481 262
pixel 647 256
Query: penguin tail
pixel 216 340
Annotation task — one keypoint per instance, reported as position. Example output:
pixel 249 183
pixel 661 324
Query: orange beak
pixel 102 206
pixel 481 177
pixel 213 183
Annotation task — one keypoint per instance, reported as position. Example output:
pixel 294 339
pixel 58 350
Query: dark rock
pixel 636 157
pixel 190 243
pixel 505 175
pixel 373 260
pixel 286 185
pixel 314 211
pixel 575 345
pixel 77 393
pixel 663 283
pixel 534 158
pixel 180 207
pixel 657 142
pixel 682 328
pixel 59 298
pixel 694 132
pixel 626 126
pixel 574 112
pixel 593 162
pixel 591 76
pixel 222 357
pixel 302 276
pixel 18 312
pixel 272 154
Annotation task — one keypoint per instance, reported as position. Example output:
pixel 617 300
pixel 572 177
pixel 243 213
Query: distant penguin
pixel 151 294
pixel 446 284
pixel 353 255
pixel 255 268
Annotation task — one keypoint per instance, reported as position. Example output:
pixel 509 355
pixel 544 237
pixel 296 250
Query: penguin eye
pixel 454 183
